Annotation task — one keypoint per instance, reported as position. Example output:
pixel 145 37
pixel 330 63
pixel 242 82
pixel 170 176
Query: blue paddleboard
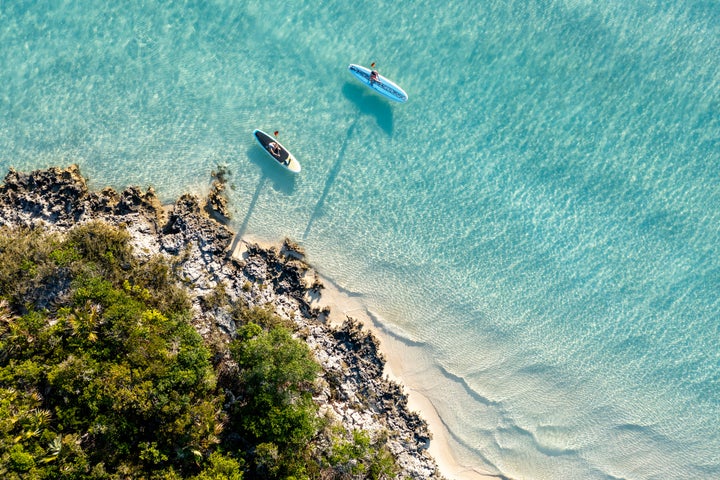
pixel 382 85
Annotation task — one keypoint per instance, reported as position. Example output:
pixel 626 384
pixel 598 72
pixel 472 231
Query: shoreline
pixel 341 306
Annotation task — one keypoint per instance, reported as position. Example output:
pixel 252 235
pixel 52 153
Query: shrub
pixel 130 389
pixel 275 412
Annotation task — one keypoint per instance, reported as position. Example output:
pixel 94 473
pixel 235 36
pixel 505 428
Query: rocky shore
pixel 207 256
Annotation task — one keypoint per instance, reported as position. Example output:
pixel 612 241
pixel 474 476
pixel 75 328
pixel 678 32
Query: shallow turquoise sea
pixel 541 220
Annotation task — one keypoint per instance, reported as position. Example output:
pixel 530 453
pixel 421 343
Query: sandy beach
pixel 398 357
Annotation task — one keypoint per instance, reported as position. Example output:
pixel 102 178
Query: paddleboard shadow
pixel 281 180
pixel 370 104
pixel 318 210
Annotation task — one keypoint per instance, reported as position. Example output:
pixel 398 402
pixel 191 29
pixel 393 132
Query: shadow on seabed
pixel 317 211
pixel 370 104
pixel 282 181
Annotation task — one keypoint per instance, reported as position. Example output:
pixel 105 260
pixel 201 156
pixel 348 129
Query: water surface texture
pixel 540 220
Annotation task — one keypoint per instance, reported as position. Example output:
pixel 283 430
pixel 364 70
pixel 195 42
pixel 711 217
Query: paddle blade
pixel 276 133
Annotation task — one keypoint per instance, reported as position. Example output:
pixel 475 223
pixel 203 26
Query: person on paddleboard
pixel 274 149
pixel 374 75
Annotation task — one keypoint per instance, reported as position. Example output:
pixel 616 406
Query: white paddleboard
pixel 281 155
pixel 382 85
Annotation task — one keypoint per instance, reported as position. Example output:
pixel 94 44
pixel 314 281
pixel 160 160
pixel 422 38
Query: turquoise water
pixel 540 219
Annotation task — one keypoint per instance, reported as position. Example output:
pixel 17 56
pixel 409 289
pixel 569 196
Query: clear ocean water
pixel 541 220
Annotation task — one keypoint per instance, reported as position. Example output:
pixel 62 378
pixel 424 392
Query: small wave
pixel 343 290
pixel 468 389
pixel 394 334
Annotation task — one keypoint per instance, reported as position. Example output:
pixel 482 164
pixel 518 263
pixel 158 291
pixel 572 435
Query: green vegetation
pixel 103 377
pixel 360 456
pixel 275 408
pixel 110 379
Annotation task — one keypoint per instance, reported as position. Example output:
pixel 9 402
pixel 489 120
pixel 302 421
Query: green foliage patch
pixel 109 379
pixel 102 375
